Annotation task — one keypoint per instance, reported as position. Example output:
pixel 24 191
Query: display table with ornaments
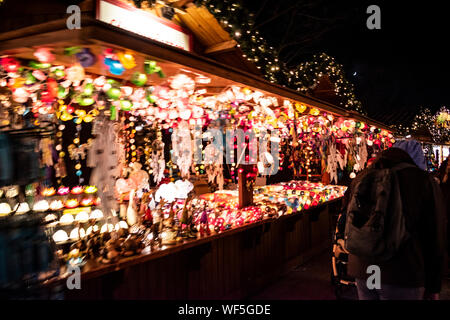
pixel 243 250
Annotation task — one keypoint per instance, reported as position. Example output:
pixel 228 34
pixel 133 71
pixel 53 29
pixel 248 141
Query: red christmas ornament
pixel 10 64
pixel 52 87
pixel 46 96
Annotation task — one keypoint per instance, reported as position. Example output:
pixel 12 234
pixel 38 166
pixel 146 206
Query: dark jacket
pixel 419 263
pixel 445 188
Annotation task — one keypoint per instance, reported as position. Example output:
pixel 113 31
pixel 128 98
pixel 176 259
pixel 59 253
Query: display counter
pixel 232 263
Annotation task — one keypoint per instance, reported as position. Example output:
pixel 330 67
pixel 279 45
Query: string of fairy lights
pixel 437 124
pixel 241 26
pixel 240 23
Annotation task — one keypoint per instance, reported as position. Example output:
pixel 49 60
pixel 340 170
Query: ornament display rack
pixel 229 265
pixel 221 264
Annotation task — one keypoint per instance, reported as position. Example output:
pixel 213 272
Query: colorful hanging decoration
pixel 157 162
pixel 181 149
pixel 126 59
pixel 86 58
pixel 44 55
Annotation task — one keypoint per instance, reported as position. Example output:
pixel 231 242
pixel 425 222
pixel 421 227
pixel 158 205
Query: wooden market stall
pixel 423 126
pixel 230 264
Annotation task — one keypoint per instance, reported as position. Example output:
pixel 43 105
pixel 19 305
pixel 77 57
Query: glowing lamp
pixel 60 236
pixel 56 205
pixel 71 203
pixel 77 190
pixel 90 189
pixel 62 191
pixel 82 217
pixel 48 192
pixel 87 202
pixel 41 206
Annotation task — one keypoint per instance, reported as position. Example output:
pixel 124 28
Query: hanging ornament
pixel 70 51
pixel 149 95
pixel 185 114
pixel 30 79
pixel 85 57
pixel 181 145
pixel 60 167
pixel 115 67
pixel 38 74
pixel 10 64
pixel 139 79
pixel 85 101
pixel 158 163
pixel 44 55
pixel 18 82
pixel 125 105
pixel 213 166
pixel 150 67
pixel 58 73
pixel 126 59
pixel 46 96
pixel 39 65
pixel 75 73
pixel 113 93
pixel 20 95
pixel 52 87
pixel 65 116
pixel 314 112
pixel 182 82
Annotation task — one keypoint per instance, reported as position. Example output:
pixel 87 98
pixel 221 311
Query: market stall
pixel 160 173
pixel 430 128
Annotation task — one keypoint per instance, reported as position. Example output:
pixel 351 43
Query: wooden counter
pixel 230 265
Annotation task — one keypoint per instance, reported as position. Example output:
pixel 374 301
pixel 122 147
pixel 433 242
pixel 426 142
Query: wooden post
pixel 245 194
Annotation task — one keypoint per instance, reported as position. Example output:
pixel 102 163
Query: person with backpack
pixel 395 226
pixel 443 176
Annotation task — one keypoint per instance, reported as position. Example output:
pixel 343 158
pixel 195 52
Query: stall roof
pixel 404 116
pixel 95 33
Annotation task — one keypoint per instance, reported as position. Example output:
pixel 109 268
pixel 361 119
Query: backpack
pixel 375 226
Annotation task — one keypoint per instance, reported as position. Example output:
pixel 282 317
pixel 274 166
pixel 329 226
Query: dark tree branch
pixel 309 38
pixel 260 9
pixel 278 15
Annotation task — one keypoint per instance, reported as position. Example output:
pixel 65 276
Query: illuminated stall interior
pixel 117 117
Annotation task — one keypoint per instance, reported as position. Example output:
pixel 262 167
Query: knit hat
pixel 415 151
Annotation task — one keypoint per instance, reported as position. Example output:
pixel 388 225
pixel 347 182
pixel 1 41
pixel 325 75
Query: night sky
pixel 403 66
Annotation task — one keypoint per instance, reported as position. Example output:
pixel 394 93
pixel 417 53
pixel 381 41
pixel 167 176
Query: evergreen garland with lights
pixel 308 74
pixel 240 24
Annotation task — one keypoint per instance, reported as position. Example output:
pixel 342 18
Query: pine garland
pixel 240 24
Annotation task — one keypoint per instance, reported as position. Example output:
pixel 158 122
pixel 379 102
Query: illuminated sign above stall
pixel 143 23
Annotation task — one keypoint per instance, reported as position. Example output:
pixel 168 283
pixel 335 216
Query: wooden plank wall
pixel 233 267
